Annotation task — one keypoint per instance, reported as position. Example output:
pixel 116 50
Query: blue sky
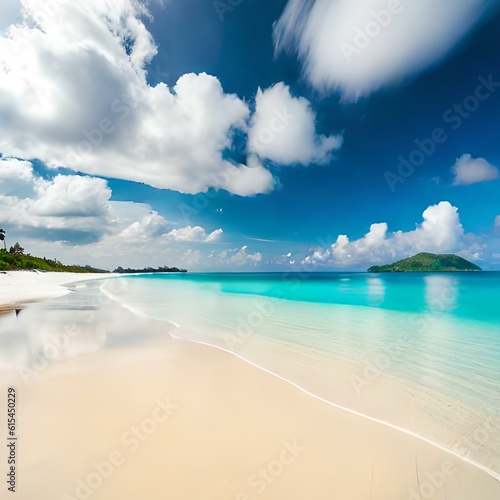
pixel 188 163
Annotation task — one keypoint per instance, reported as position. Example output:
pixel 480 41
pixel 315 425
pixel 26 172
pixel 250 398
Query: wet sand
pixel 20 288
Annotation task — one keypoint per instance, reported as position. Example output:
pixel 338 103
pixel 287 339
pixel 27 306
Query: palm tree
pixel 2 238
pixel 17 249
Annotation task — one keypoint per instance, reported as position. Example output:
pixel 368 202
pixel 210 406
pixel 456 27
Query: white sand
pixel 18 288
pixel 186 421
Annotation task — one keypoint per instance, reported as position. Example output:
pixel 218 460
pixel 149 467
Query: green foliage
pixel 18 261
pixel 427 262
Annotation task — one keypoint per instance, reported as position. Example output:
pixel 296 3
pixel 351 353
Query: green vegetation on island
pixel 15 259
pixel 163 269
pixel 427 262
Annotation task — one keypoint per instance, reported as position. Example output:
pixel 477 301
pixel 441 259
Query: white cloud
pixel 72 196
pixel 283 129
pixel 470 170
pixel 73 93
pixel 214 235
pixel 191 257
pixel 73 203
pixel 323 254
pixel 246 181
pixel 73 219
pixel 196 233
pixel 440 232
pixel 147 227
pixel 16 177
pixel 15 170
pixel 359 46
pixel 145 242
pixel 239 257
pixel 77 209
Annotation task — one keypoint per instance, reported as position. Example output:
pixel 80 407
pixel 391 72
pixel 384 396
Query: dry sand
pixel 170 419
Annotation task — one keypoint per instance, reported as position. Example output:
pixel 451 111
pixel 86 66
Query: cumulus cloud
pixel 73 92
pixel 359 46
pixel 196 233
pixel 14 169
pixel 441 231
pixel 78 209
pixel 71 204
pixel 239 257
pixel 283 129
pixel 140 226
pixel 16 176
pixel 72 196
pixel 470 170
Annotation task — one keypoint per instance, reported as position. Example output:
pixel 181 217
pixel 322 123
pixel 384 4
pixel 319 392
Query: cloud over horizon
pixel 196 233
pixel 238 256
pixel 76 209
pixel 440 232
pixel 360 46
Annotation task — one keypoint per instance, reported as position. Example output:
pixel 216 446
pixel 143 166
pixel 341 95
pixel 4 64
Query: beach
pixel 111 405
pixel 20 288
pixel 257 250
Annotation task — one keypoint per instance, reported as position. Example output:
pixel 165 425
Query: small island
pixel 163 269
pixel 427 262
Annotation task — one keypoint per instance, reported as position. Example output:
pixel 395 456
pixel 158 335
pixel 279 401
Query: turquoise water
pixel 473 296
pixel 441 331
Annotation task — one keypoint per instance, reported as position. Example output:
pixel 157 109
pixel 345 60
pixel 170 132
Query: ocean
pixel 440 331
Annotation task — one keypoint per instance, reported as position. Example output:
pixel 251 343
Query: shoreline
pixel 445 420
pixel 492 473
pixel 463 446
pixel 485 469
pixel 204 381
pixel 18 289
